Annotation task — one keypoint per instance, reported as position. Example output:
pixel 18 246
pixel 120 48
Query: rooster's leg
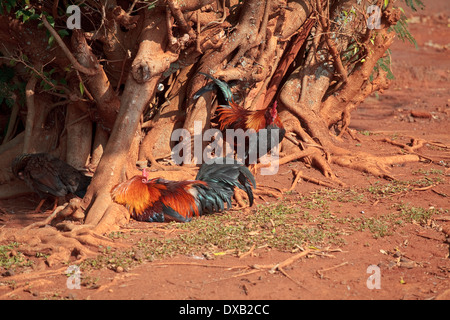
pixel 55 204
pixel 38 208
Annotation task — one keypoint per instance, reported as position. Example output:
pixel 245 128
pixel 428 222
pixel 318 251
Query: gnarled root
pixel 62 237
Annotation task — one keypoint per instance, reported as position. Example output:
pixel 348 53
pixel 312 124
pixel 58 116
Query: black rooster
pixel 49 176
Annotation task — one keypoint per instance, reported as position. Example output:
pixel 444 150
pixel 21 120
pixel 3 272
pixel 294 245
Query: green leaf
pixel 63 33
pixel 82 88
pixel 51 39
pixel 50 19
pixel 413 3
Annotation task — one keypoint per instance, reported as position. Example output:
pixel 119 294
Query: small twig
pixel 331 268
pixel 440 193
pixel 316 181
pixel 179 17
pixel 81 118
pixel 428 237
pixel 423 188
pixel 294 258
pixel 331 44
pixel 288 276
pixel 294 156
pixel 248 252
pixel 42 75
pixel 291 139
pixel 68 53
pixel 89 95
pixel 298 174
pixel 31 112
pixel 443 218
pixel 211 23
pixel 195 264
pixel 277 266
pixel 130 9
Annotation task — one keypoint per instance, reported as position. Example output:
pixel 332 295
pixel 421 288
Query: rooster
pixel 49 176
pixel 160 200
pixel 233 116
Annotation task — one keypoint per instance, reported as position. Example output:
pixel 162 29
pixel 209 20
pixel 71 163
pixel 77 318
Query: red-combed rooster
pixel 160 200
pixel 233 116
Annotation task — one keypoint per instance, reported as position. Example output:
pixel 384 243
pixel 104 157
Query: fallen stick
pixel 288 261
pixel 443 218
pixel 331 268
pixel 440 193
pixel 297 178
pixel 248 252
pixel 274 267
pixel 194 264
pixel 289 277
pixel 316 181
pixel 428 237
pixel 423 188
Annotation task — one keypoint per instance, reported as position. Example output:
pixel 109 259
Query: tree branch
pixel 337 62
pixel 29 93
pixel 66 50
pixel 178 15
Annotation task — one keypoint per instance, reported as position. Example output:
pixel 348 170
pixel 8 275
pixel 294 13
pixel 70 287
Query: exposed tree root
pixel 33 280
pixel 299 174
pixel 63 237
pixel 414 145
pixel 239 197
pixel 377 166
pixel 270 191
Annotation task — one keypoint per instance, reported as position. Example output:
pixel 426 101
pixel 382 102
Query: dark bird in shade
pixel 160 200
pixel 233 116
pixel 49 176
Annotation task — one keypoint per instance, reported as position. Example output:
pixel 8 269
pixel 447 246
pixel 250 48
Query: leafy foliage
pixel 7 6
pixel 413 3
pixel 8 86
pixel 401 29
pixel 384 64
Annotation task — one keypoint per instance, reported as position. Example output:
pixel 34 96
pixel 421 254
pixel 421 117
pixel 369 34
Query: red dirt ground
pixel 414 261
